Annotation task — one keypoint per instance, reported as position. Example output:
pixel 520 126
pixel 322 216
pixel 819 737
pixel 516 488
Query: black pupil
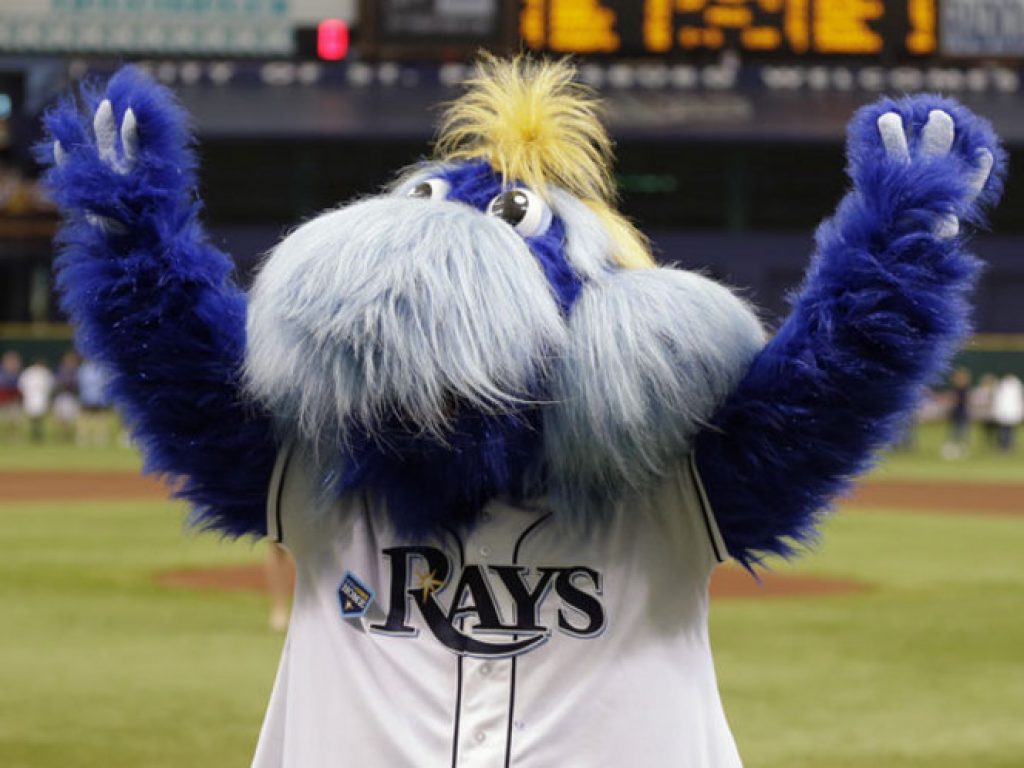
pixel 423 189
pixel 511 207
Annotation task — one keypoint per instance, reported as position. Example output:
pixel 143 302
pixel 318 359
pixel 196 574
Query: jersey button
pixel 485 551
pixel 485 670
pixel 480 736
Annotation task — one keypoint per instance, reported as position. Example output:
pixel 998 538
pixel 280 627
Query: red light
pixel 332 40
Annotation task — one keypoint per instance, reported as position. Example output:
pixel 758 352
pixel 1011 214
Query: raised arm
pixel 882 310
pixel 153 300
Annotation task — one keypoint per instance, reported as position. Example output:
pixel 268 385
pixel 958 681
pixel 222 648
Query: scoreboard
pixel 982 27
pixel 886 28
pixel 886 31
pixel 435 29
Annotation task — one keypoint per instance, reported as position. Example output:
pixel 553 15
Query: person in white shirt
pixel 1008 410
pixel 36 385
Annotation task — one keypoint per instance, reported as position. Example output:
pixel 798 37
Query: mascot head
pixel 491 325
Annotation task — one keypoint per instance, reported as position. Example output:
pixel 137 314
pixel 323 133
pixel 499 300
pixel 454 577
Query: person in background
pixel 36 385
pixel 981 401
pixel 65 401
pixel 959 416
pixel 280 579
pixel 1008 411
pixel 10 395
pixel 94 405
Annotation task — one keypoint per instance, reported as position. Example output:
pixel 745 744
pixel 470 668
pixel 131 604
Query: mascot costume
pixel 504 447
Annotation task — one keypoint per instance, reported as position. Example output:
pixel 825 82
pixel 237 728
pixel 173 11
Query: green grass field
pixel 102 667
pixel 981 464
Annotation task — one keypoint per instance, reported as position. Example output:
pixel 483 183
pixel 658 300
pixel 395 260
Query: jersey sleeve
pixel 687 519
pixel 707 514
pixel 689 534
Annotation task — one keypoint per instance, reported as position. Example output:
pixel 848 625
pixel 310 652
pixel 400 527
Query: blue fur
pixel 473 183
pixel 155 302
pixel 549 249
pixel 881 311
pixel 476 184
pixel 426 483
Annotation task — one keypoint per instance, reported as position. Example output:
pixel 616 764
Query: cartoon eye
pixel 522 209
pixel 431 189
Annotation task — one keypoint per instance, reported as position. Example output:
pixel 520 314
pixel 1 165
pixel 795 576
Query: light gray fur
pixel 588 246
pixel 652 354
pixel 393 308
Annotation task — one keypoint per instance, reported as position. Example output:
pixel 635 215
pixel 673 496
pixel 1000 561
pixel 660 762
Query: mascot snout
pixel 391 308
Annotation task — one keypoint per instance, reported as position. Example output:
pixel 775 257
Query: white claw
pixel 59 155
pixel 948 226
pixel 938 134
pixel 105 223
pixel 890 127
pixel 981 171
pixel 106 133
pixel 130 138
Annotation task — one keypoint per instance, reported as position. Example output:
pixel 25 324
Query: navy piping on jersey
pixel 511 710
pixel 458 668
pixel 512 682
pixel 522 537
pixel 280 493
pixel 458 713
pixel 705 508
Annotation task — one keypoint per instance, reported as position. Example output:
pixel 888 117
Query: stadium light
pixel 332 40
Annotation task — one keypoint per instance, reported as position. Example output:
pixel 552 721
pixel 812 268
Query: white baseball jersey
pixel 514 644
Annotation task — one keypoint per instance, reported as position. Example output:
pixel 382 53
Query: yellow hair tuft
pixel 535 124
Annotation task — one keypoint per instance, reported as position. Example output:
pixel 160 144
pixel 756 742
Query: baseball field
pixel 897 643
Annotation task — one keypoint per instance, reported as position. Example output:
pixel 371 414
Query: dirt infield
pixel 728 582
pixel 989 498
pixel 731 583
pixel 84 485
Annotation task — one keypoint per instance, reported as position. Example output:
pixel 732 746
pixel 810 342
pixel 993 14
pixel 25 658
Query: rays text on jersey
pixel 420 575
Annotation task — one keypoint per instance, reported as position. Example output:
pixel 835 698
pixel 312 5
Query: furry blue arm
pixel 153 300
pixel 881 312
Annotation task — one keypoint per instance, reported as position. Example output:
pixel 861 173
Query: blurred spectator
pixel 981 400
pixel 65 402
pixel 94 404
pixel 14 198
pixel 1008 410
pixel 280 578
pixel 36 385
pixel 10 395
pixel 959 416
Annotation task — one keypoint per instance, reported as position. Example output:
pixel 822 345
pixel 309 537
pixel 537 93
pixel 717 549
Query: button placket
pixel 485 699
pixel 487 683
